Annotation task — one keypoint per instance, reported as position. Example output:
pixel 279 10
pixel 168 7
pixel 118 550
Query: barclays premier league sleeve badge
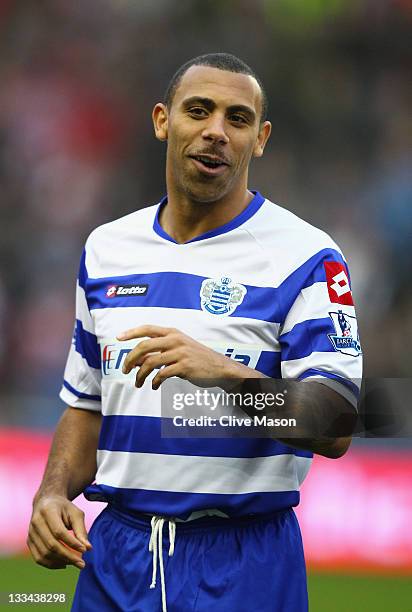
pixel 346 338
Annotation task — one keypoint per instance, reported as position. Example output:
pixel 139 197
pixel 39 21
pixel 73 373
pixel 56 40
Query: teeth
pixel 208 162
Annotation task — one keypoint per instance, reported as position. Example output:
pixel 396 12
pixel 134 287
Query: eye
pixel 197 111
pixel 240 119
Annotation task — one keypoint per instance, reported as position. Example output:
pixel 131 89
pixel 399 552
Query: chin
pixel 206 194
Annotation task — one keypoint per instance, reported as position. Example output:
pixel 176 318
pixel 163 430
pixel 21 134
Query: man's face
pixel 213 129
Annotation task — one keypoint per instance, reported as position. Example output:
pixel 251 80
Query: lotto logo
pixel 111 292
pixel 338 283
pixel 126 290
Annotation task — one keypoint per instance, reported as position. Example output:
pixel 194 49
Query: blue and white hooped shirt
pixel 289 314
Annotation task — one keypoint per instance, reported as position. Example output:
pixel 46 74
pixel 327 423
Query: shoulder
pixel 140 221
pixel 288 240
pixel 118 238
pixel 274 224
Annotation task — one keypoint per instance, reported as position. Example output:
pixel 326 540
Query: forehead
pixel 222 86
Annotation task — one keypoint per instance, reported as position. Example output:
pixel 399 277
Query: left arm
pixel 325 419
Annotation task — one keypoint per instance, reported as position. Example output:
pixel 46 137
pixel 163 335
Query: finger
pixel 40 557
pixel 52 546
pixel 36 545
pixel 40 531
pixel 164 373
pixel 152 331
pixel 37 551
pixel 154 362
pixel 43 556
pixel 136 355
pixel 74 518
pixel 60 530
pixel 54 549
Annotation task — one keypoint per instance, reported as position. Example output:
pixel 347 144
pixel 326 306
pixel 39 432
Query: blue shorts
pixel 218 565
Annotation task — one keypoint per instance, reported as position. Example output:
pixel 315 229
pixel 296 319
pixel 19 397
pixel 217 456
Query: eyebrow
pixel 211 105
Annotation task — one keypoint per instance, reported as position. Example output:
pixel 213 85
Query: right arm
pixel 57 534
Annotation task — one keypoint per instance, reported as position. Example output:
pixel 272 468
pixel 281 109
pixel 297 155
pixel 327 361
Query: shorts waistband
pixel 143 521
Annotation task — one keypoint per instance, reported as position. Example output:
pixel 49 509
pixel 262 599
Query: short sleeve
pixel 82 376
pixel 319 337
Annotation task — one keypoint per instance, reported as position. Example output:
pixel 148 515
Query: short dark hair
pixel 222 61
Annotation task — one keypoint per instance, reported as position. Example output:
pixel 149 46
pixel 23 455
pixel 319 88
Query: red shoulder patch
pixel 338 283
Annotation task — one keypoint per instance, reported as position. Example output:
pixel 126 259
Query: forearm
pixel 333 448
pixel 71 464
pixel 324 419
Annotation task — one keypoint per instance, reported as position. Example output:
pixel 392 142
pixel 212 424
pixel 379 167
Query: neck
pixel 184 218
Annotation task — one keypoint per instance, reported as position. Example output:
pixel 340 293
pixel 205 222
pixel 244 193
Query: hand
pixel 50 540
pixel 177 355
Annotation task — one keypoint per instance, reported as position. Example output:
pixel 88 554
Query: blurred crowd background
pixel 78 83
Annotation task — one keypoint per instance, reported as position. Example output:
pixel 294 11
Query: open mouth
pixel 208 164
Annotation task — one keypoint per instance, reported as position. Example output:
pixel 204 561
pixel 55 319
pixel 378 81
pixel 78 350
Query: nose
pixel 215 129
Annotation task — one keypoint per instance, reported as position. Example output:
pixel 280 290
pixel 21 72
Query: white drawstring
pixel 156 546
pixel 156 543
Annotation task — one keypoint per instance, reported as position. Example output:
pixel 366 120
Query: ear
pixel 160 118
pixel 264 133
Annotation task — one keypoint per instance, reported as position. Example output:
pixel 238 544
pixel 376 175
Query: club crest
pixel 221 296
pixel 346 339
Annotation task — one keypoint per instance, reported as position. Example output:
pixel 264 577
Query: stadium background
pixel 78 81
